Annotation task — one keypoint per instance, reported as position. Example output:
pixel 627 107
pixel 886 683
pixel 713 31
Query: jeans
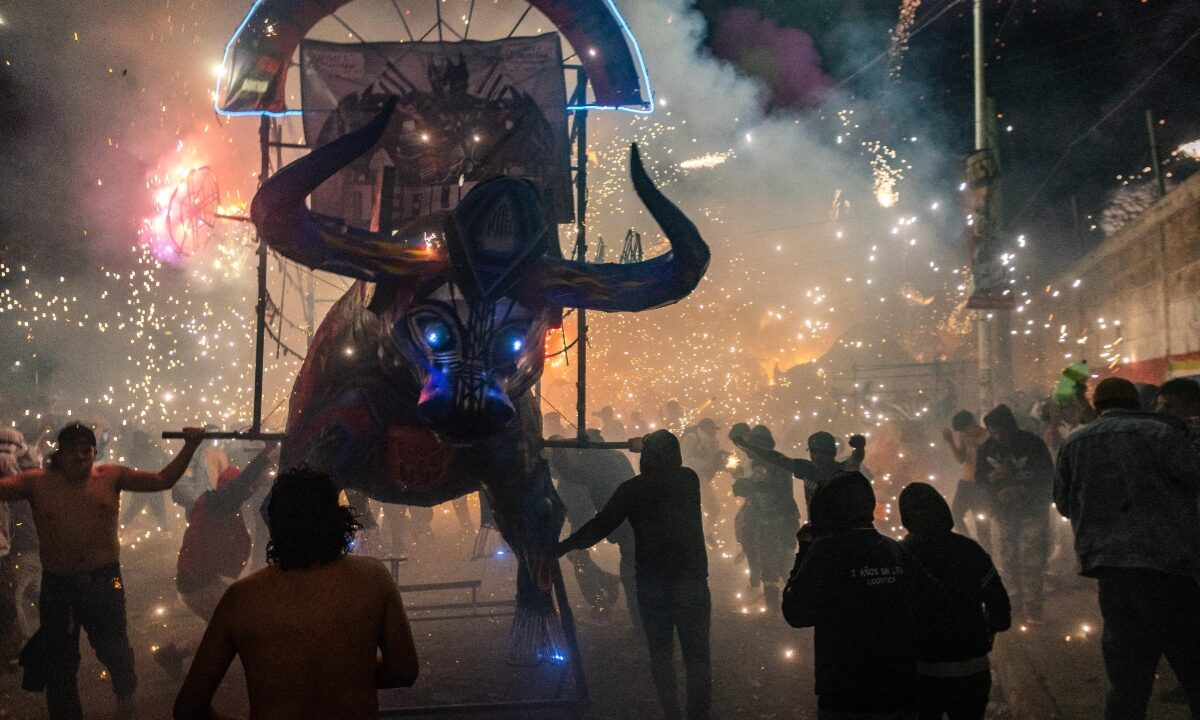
pixel 959 698
pixel 1025 552
pixel 93 601
pixel 1148 614
pixel 971 499
pixel 684 607
pixel 776 550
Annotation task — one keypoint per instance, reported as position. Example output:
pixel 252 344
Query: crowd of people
pixel 903 627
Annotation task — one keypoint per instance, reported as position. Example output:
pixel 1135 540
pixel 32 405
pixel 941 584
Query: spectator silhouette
pixel 662 505
pixel 317 630
pixel 953 674
pixel 865 595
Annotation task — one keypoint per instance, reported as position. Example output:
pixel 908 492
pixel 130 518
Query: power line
pixel 1083 136
pixel 928 21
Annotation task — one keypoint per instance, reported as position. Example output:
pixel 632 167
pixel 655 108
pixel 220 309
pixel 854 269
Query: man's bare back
pixel 309 640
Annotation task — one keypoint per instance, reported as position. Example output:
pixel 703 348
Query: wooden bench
pixel 474 608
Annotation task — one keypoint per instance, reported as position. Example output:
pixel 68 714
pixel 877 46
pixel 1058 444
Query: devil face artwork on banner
pixel 466 111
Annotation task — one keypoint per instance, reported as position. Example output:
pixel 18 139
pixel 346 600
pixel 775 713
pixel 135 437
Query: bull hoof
pixel 537 637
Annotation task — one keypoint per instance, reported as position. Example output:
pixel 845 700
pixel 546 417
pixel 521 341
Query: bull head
pixel 486 296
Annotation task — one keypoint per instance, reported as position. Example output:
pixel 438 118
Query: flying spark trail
pixel 900 36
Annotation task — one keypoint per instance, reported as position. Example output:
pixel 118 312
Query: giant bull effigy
pixel 416 388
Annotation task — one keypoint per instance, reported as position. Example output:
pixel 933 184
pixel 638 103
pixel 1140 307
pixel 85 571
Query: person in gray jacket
pixel 1129 482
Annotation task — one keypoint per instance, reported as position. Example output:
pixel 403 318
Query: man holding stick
pixel 75 508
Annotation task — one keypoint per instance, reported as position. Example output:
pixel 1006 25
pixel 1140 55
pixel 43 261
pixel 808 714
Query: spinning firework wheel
pixel 192 211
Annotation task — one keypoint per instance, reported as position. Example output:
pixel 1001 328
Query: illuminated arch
pixel 254 67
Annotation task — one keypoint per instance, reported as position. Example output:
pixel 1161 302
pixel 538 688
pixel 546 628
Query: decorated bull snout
pixel 473 357
pixel 464 406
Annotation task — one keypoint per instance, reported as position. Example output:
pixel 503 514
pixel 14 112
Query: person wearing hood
pixel 1015 468
pixel 823 465
pixel 771 511
pixel 866 596
pixel 1129 482
pixel 702 452
pixel 662 505
pixel 953 674
pixel 745 527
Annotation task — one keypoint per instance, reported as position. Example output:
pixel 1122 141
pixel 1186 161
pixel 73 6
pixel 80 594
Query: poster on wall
pixel 991 289
pixel 467 111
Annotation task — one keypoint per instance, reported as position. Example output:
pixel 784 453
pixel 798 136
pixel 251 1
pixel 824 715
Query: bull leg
pixel 529 515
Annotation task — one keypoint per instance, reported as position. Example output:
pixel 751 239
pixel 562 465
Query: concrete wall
pixel 1119 304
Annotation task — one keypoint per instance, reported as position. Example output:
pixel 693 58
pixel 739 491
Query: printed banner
pixel 257 58
pixel 989 275
pixel 467 112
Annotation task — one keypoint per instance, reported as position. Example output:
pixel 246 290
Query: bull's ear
pixel 499 232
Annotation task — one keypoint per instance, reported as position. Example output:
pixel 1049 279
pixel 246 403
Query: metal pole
pixel 1162 181
pixel 980 92
pixel 581 249
pixel 983 326
pixel 264 138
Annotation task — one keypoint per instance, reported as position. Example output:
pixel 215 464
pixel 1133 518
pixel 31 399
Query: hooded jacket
pixel 975 605
pixel 1027 489
pixel 1129 481
pixel 865 595
pixel 662 505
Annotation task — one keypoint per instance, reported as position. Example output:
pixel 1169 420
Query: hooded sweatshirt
pixel 1029 485
pixel 976 605
pixel 864 594
pixel 662 504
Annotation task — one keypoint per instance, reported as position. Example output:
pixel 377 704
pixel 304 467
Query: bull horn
pixel 613 287
pixel 324 243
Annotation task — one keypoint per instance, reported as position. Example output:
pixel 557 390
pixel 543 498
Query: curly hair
pixel 308 526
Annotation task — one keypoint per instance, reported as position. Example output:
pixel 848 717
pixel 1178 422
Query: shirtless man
pixel 75 505
pixel 318 631
pixel 970 498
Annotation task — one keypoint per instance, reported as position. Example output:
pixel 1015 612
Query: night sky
pixel 1055 70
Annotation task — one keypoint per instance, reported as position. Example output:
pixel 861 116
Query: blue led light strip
pixel 225 61
pixel 646 108
pixel 648 105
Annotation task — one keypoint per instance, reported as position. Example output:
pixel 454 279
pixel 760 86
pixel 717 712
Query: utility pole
pixel 990 297
pixel 983 328
pixel 980 92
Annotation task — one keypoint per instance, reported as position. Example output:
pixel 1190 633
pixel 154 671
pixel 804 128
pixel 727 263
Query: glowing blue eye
pixel 437 335
pixel 510 343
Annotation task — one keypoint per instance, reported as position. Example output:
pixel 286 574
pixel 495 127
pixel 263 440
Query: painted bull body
pixel 416 389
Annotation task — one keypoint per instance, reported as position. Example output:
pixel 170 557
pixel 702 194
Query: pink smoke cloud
pixel 786 59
